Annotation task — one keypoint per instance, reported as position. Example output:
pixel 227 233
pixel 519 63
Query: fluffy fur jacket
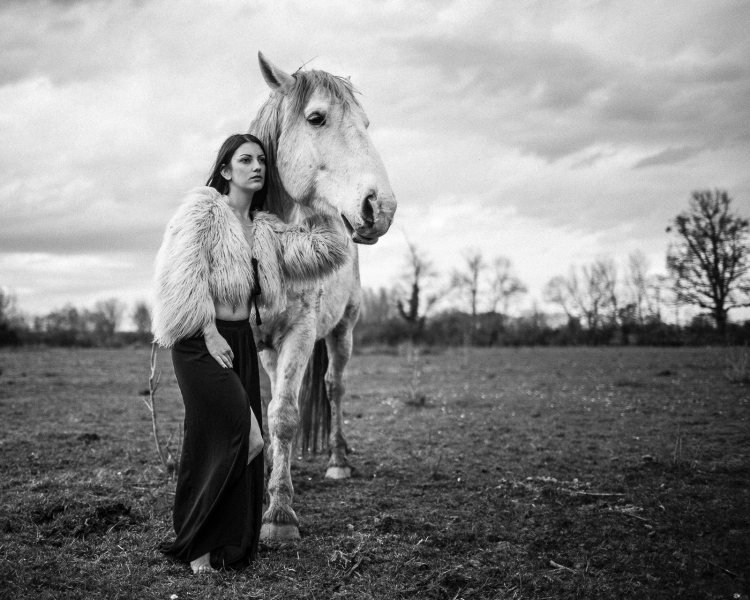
pixel 205 256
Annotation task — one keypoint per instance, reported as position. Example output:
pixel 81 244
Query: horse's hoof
pixel 285 532
pixel 338 473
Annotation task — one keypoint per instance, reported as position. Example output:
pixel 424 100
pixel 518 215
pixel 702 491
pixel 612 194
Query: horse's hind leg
pixel 339 346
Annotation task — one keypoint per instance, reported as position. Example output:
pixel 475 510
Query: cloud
pixel 556 81
pixel 668 156
pixel 67 41
pixel 512 126
pixel 42 281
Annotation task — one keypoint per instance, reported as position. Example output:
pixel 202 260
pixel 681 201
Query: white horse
pixel 320 160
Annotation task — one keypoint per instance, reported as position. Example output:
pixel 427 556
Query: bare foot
pixel 202 565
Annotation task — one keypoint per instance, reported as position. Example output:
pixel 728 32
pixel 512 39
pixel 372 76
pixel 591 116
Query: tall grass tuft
pixel 738 366
pixel 416 395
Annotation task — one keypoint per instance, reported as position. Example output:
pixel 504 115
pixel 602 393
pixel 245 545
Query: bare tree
pixel 710 261
pixel 377 305
pixel 655 296
pixel 467 283
pixel 420 272
pixel 644 290
pixel 106 317
pixel 142 319
pixel 637 283
pixel 504 285
pixel 605 281
pixel 7 305
pixel 589 294
pixel 9 318
pixel 66 326
pixel 558 291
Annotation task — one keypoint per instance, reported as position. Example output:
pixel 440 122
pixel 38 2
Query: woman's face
pixel 247 169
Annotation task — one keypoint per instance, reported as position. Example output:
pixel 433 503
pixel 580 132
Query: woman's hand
pixel 218 347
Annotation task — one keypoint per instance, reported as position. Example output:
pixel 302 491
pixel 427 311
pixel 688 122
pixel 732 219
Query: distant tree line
pixel 708 265
pixel 73 326
pixel 380 326
pixel 708 268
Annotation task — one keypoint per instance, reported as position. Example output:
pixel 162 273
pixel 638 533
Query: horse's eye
pixel 316 119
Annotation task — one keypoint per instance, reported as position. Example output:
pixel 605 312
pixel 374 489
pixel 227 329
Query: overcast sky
pixel 549 132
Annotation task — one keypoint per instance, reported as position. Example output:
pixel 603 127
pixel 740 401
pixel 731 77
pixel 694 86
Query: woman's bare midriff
pixel 226 312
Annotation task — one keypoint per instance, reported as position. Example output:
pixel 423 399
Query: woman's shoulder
pixel 203 197
pixel 200 204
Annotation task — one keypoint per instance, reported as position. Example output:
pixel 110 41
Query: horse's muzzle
pixel 373 220
pixel 368 234
pixel 357 237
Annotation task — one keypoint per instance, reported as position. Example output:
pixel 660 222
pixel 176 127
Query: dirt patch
pixel 58 521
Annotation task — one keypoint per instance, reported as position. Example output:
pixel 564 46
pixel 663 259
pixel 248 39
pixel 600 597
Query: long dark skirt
pixel 218 501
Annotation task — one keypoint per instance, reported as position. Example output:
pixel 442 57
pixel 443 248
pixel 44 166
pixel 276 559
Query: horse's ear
pixel 275 77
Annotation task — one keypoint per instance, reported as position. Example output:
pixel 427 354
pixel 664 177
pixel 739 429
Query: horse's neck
pixel 281 203
pixel 284 206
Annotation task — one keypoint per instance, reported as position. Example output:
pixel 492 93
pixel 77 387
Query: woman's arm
pixel 183 304
pixel 315 249
pixel 306 252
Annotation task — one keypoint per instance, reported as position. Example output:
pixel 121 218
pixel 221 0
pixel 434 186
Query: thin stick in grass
pixel 168 461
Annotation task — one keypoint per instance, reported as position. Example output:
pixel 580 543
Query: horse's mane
pixel 271 120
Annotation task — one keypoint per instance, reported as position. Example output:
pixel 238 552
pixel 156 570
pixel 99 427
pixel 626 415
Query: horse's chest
pixel 299 317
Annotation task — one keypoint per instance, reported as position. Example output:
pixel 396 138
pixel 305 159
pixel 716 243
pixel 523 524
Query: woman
pixel 221 255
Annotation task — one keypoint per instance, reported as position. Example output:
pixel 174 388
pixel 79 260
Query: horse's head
pixel 319 152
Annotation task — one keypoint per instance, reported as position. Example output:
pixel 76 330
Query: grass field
pixel 509 473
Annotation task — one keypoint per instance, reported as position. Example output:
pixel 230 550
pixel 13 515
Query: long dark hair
pixel 226 152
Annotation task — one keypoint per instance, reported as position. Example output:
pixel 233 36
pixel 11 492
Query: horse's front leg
pixel 280 520
pixel 339 346
pixel 269 359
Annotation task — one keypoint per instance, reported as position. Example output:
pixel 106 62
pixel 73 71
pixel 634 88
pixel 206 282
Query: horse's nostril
pixel 367 210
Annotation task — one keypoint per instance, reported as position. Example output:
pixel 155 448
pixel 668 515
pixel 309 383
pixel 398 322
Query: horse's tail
pixel 314 408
